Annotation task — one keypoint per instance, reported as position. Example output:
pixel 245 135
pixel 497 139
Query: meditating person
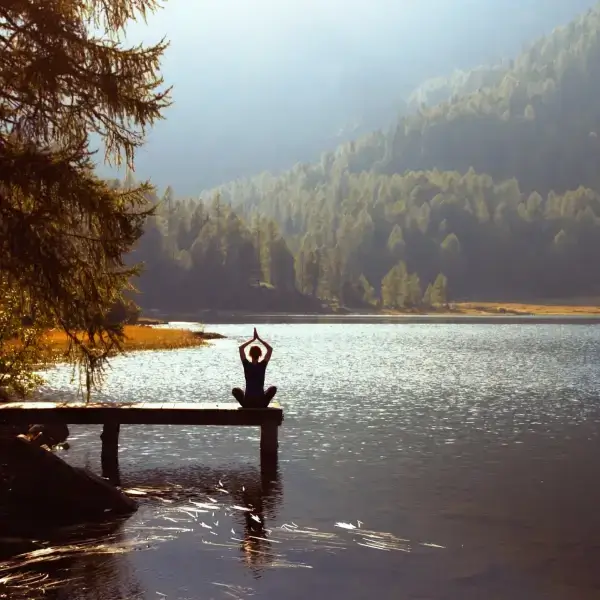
pixel 255 395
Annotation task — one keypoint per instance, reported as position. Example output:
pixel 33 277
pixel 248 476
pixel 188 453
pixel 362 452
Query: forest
pixel 491 193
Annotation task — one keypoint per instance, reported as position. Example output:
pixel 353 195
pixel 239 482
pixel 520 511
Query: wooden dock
pixel 113 415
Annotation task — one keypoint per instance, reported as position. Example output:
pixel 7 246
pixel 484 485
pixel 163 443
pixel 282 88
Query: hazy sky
pixel 261 84
pixel 216 41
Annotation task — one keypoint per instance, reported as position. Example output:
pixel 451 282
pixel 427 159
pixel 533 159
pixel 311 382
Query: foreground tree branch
pixel 63 231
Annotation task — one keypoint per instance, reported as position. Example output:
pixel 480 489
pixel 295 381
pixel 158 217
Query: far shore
pixel 456 312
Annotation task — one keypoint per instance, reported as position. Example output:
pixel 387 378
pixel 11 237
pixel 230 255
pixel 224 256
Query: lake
pixel 417 461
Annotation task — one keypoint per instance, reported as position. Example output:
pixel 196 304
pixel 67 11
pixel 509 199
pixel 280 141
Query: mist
pixel 262 85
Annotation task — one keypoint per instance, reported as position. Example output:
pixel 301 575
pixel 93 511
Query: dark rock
pixel 42 484
pixel 210 335
pixel 50 434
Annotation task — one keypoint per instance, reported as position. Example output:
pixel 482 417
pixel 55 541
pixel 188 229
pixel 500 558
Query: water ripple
pixel 447 453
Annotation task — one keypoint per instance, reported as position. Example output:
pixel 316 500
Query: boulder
pixel 50 434
pixel 38 482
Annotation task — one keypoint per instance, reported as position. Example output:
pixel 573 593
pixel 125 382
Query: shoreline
pixel 441 319
pixel 460 312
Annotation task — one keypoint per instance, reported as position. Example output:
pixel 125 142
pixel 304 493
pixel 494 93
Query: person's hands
pixel 255 334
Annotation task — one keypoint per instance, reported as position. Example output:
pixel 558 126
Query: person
pixel 255 395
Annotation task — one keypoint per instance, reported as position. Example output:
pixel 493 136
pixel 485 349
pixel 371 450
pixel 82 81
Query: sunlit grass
pixel 137 337
pixel 525 309
pixel 503 308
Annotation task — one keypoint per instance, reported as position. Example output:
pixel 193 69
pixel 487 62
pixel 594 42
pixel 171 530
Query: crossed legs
pixel 260 402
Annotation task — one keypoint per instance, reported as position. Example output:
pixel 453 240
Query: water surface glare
pixel 417 461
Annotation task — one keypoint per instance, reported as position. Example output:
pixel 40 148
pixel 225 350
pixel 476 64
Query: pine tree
pixel 313 271
pixel 414 293
pixel 394 287
pixel 427 296
pixel 395 243
pixel 368 292
pixel 64 231
pixel 439 291
pixel 451 247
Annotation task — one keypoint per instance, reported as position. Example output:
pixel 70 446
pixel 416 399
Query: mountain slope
pixel 539 123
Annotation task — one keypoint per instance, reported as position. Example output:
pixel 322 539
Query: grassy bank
pixel 516 308
pixel 139 337
pixel 504 308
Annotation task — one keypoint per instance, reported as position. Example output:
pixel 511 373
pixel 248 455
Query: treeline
pixel 540 123
pixel 489 239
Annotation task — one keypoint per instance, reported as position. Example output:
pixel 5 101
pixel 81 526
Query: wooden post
pixel 269 473
pixel 110 452
pixel 268 438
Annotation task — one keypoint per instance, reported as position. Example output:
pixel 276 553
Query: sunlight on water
pixel 421 457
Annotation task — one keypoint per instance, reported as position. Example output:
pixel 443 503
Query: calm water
pixel 430 462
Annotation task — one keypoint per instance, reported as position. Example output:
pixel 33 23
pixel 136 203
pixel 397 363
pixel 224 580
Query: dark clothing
pixel 261 401
pixel 255 377
pixel 255 395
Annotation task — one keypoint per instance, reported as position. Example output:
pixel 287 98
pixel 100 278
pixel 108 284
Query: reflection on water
pixel 447 462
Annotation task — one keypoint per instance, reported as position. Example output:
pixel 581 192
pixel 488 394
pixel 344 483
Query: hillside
pixel 539 123
pixel 489 195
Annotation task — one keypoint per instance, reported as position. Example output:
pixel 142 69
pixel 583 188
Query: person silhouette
pixel 255 396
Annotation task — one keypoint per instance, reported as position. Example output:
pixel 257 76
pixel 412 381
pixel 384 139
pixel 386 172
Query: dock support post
pixel 268 438
pixel 110 452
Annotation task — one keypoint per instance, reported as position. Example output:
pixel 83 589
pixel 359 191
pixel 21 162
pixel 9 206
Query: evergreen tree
pixel 427 296
pixel 368 292
pixel 414 293
pixel 394 287
pixel 439 290
pixel 64 231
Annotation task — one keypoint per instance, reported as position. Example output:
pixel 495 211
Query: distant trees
pixel 64 232
pixel 204 255
pixel 507 244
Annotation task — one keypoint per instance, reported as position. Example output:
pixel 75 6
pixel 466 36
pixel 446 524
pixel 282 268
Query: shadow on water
pixel 94 560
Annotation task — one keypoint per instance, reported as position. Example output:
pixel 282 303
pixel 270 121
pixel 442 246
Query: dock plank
pixel 144 413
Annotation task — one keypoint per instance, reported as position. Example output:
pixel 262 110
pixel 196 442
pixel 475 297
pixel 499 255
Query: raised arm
pixel 267 357
pixel 243 347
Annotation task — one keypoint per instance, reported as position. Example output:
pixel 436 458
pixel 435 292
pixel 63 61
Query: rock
pixel 42 484
pixel 50 434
